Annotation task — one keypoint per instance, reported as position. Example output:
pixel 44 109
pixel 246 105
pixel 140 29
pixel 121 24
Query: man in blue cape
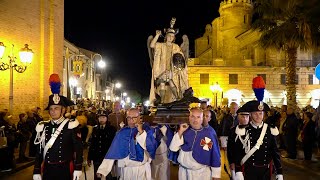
pixel 199 152
pixel 133 147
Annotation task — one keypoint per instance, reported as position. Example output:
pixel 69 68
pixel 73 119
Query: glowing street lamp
pixel 101 64
pixel 215 90
pixel 147 103
pixel 26 56
pixel 118 85
pixel 73 82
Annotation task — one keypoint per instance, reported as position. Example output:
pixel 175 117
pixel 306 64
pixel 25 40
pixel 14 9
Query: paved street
pixel 293 170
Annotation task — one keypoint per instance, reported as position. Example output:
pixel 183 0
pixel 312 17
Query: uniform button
pixel 60 142
pixel 59 151
pixel 253 159
pixel 48 161
pixel 60 147
pixel 59 156
pixel 59 161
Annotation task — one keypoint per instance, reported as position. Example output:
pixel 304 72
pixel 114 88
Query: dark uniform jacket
pixel 101 140
pixel 267 152
pixel 226 124
pixel 231 151
pixel 66 148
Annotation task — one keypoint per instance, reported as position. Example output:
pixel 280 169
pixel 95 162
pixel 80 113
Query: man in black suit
pixel 100 142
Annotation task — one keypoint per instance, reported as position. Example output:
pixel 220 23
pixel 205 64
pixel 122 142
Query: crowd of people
pixel 18 136
pixel 98 127
pixel 298 129
pixel 124 143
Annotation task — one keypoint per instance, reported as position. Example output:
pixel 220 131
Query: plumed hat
pixel 258 87
pixel 55 98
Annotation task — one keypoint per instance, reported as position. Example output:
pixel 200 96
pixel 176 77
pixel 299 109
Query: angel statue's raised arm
pixel 169 81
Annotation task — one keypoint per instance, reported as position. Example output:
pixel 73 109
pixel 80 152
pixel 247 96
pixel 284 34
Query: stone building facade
pixel 40 24
pixel 229 54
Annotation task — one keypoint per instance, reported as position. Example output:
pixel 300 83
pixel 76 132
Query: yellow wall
pixel 40 24
pixel 235 49
pixel 245 76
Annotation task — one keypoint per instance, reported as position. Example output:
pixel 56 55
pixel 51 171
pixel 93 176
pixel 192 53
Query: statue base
pixel 177 114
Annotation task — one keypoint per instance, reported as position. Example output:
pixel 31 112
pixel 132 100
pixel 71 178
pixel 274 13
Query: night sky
pixel 118 30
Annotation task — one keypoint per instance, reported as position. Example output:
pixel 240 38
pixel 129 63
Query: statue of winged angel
pixel 168 61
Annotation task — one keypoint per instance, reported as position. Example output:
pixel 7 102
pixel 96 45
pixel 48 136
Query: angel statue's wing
pixel 185 46
pixel 150 50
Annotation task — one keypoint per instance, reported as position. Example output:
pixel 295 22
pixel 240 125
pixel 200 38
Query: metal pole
pixel 68 86
pixel 216 101
pixel 11 88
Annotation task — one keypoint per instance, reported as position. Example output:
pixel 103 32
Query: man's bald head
pixel 196 118
pixel 133 116
pixel 116 106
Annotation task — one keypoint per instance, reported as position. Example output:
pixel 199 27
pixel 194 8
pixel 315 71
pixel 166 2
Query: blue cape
pixel 169 134
pixel 124 144
pixel 192 142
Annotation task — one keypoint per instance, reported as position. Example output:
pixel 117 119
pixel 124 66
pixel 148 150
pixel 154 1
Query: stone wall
pixel 40 24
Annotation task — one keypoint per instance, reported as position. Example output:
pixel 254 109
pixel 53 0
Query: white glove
pixel 239 176
pixel 233 174
pixel 224 141
pixel 37 177
pixel 279 177
pixel 76 175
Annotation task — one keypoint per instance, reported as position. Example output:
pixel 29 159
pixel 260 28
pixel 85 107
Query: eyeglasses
pixel 132 118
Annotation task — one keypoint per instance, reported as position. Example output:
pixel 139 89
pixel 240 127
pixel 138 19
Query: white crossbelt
pixel 257 146
pixel 53 138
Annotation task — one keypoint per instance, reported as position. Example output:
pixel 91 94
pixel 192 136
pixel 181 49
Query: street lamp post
pixel 117 86
pixel 26 56
pixel 215 90
pixel 101 64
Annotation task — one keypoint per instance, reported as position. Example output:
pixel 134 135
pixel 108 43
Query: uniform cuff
pixel 216 172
